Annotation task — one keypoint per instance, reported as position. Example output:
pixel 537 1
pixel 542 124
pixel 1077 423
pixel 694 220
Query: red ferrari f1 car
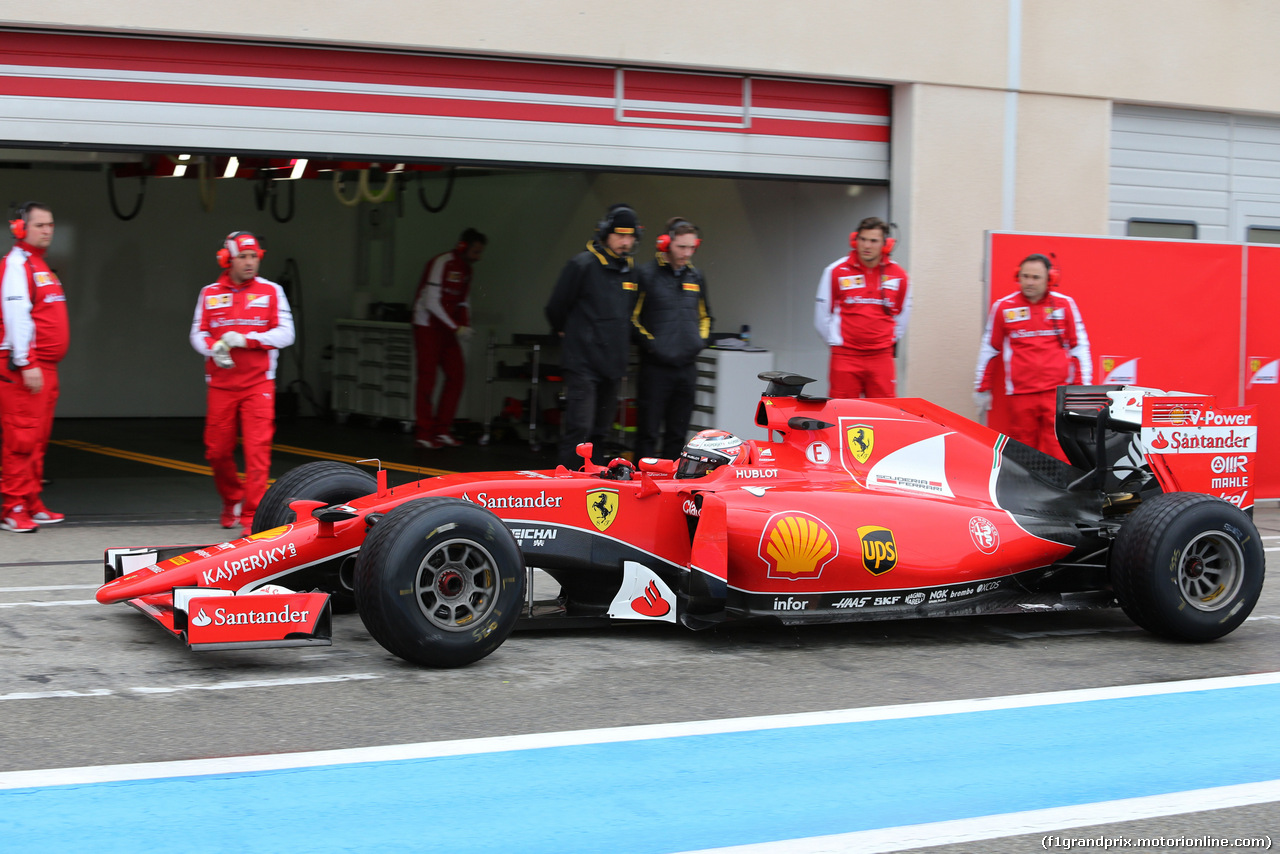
pixel 850 510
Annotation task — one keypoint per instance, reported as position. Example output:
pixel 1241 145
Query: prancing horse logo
pixel 861 439
pixel 602 507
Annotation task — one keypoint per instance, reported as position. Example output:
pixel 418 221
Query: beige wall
pixel 947 146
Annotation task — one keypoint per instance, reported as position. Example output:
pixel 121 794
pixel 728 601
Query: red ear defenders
pixel 18 225
pixel 1050 261
pixel 461 246
pixel 224 254
pixel 889 243
pixel 663 243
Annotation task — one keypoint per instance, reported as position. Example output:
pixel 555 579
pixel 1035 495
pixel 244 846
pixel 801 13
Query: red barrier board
pixel 1168 314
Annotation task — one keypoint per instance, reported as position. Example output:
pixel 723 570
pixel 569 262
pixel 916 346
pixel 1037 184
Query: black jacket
pixel 671 315
pixel 591 305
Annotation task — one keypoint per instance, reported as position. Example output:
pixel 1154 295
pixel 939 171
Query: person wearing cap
pixel 863 303
pixel 1040 338
pixel 590 308
pixel 34 335
pixel 442 319
pixel 673 324
pixel 241 323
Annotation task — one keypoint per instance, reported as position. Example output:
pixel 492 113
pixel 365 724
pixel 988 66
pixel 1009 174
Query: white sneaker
pixel 444 440
pixel 426 443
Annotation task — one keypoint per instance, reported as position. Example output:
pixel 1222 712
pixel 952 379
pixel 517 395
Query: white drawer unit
pixel 373 370
pixel 728 391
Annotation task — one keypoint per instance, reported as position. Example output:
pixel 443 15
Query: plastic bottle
pixel 745 334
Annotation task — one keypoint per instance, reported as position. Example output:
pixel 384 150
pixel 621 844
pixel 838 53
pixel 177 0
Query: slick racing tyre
pixel 1187 566
pixel 440 582
pixel 332 483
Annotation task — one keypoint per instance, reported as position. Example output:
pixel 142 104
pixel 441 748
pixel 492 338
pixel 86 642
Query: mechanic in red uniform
pixel 241 323
pixel 1040 339
pixel 863 304
pixel 441 319
pixel 33 338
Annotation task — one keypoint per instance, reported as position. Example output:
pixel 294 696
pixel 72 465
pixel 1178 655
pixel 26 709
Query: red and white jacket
pixel 1042 345
pixel 257 309
pixel 33 309
pixel 442 294
pixel 859 309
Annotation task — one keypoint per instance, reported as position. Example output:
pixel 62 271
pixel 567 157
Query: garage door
pixel 96 91
pixel 1220 171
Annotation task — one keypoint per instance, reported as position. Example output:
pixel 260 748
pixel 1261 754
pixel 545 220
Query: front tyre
pixel 327 481
pixel 1188 566
pixel 440 582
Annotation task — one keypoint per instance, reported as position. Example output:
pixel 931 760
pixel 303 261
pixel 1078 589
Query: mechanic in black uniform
pixel 590 309
pixel 673 322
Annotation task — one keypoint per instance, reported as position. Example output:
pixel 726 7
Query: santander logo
pixel 651 604
pixel 202 619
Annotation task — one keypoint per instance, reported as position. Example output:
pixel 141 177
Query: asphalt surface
pixel 84 684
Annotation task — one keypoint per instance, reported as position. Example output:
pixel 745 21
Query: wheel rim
pixel 1211 571
pixel 457 585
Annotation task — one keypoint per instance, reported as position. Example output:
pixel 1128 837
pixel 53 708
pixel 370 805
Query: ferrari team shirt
pixel 1041 345
pixel 33 309
pixel 442 293
pixel 862 309
pixel 259 310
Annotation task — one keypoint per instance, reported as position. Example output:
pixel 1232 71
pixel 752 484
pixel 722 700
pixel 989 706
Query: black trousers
pixel 664 403
pixel 591 404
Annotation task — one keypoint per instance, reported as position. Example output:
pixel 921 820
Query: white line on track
pixel 54 604
pixel 610 735
pixel 231 685
pixel 235 685
pixel 1016 824
pixel 51 587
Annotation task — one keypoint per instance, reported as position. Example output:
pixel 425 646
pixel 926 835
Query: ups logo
pixel 879 551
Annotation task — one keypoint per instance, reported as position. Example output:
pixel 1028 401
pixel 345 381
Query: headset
pixel 663 243
pixel 224 254
pixel 1050 262
pixel 18 225
pixel 605 226
pixel 889 242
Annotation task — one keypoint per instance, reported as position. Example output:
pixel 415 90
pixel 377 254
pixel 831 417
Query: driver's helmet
pixel 708 450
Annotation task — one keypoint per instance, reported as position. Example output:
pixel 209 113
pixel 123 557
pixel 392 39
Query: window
pixel 1175 229
pixel 1262 234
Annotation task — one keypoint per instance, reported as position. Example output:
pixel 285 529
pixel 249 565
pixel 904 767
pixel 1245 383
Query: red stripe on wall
pixel 167 93
pixel 161 57
pixel 181 57
pixel 848 98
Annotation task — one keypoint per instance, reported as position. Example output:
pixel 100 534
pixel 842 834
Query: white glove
pixel 464 333
pixel 222 355
pixel 982 400
pixel 233 339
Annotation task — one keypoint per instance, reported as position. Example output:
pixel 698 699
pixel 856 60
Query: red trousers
pixel 437 350
pixel 1031 421
pixel 869 374
pixel 252 414
pixel 26 420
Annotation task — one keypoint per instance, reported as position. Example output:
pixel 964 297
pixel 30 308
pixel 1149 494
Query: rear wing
pixel 1126 435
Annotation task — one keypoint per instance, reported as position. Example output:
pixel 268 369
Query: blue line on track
pixel 683 793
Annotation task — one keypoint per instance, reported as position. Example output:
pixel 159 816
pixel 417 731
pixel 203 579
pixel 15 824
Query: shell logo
pixel 796 545
pixel 1178 415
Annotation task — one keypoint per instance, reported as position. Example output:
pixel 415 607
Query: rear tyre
pixel 327 481
pixel 1188 566
pixel 440 582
